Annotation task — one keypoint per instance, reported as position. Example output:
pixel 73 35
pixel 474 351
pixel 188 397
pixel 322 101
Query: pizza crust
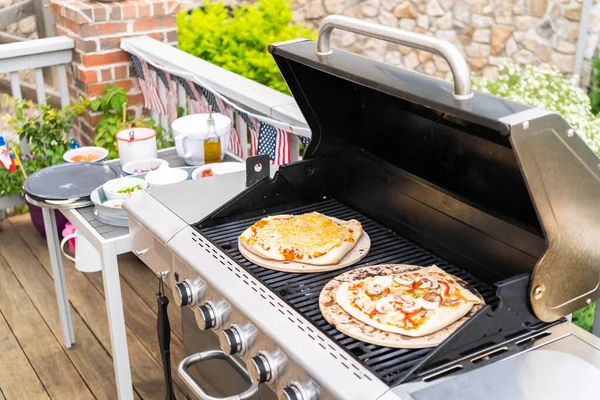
pixel 333 255
pixel 351 326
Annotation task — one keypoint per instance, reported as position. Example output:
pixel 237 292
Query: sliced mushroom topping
pixel 406 298
pixel 410 307
pixel 429 282
pixel 404 279
pixel 384 305
pixel 368 306
pixel 374 288
pixel 428 305
pixel 432 296
pixel 430 301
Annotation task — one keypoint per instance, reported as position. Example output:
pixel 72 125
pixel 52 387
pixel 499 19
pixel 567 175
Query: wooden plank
pixel 17 377
pixel 48 358
pixel 15 13
pixel 146 372
pixel 140 315
pixel 89 356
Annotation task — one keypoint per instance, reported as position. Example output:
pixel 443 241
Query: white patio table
pixel 110 241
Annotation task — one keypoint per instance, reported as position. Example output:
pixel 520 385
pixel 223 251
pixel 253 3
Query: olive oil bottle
pixel 212 143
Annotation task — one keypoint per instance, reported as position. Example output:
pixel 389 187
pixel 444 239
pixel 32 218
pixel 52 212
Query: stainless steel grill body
pixel 499 194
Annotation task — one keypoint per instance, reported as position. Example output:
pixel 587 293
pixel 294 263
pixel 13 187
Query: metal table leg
pixel 596 327
pixel 116 321
pixel 60 285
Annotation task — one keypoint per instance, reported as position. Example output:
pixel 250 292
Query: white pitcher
pixel 87 258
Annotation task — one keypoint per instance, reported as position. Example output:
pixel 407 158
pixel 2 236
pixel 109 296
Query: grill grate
pixel 301 291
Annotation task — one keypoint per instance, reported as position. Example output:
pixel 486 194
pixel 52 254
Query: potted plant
pixel 46 131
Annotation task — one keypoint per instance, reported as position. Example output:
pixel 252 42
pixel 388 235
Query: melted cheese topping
pixel 309 235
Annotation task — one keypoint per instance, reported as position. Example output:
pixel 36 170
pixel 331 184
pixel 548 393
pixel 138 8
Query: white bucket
pixel 136 144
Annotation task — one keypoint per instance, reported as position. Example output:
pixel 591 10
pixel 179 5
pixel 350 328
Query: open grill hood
pixel 492 185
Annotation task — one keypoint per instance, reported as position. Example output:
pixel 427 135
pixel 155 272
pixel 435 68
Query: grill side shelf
pixel 489 327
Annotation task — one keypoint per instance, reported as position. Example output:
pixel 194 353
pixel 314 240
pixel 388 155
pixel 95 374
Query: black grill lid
pixel 496 155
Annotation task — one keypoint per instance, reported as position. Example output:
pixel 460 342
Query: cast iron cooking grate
pixel 301 291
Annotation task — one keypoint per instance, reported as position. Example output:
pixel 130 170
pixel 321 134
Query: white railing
pixel 35 55
pixel 248 94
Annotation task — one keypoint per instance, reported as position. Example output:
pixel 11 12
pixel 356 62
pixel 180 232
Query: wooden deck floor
pixel 34 364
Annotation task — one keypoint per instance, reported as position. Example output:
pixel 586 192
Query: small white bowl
pixel 142 166
pixel 99 152
pixel 166 176
pixel 219 169
pixel 111 188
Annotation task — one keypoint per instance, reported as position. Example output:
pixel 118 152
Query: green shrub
pixel 545 87
pixel 237 40
pixel 594 92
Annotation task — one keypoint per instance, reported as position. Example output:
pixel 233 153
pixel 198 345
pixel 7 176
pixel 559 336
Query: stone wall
pixel 488 32
pixel 26 27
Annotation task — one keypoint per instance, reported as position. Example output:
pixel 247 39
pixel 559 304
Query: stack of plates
pixel 67 185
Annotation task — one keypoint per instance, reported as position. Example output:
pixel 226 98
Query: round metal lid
pixel 68 181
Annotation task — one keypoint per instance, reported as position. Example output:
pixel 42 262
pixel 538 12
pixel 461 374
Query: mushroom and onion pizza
pixel 398 305
pixel 311 238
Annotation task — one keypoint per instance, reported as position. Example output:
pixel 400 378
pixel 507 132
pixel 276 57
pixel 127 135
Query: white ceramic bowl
pixel 143 166
pixel 99 152
pixel 166 176
pixel 219 169
pixel 111 188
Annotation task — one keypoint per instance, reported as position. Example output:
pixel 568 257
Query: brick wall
pixel 97 29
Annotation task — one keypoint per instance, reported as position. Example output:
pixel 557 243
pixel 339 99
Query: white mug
pixel 136 144
pixel 87 258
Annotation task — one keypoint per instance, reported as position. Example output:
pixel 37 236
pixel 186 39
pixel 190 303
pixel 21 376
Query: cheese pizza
pixel 414 303
pixel 311 238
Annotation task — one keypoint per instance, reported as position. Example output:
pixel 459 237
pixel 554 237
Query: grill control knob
pixel 189 292
pixel 266 366
pixel 237 339
pixel 300 391
pixel 212 314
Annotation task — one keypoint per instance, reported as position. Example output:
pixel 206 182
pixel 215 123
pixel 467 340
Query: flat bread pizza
pixel 402 306
pixel 311 238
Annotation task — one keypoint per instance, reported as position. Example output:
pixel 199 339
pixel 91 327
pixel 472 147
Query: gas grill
pixel 499 194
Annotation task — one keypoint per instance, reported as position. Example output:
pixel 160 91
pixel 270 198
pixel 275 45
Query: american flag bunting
pixel 305 140
pixel 235 144
pixel 147 86
pixel 275 142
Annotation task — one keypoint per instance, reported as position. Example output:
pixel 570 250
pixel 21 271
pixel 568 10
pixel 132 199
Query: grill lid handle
pixel 458 65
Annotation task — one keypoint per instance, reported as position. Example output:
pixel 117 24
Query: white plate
pixel 219 169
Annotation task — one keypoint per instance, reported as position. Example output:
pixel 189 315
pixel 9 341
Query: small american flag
pixel 235 144
pixel 194 101
pixel 305 140
pixel 275 142
pixel 148 87
pixel 253 126
pixel 211 99
pixel 200 105
pixel 171 88
pixel 172 99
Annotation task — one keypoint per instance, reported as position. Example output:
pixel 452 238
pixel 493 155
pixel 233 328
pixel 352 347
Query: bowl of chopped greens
pixel 123 188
